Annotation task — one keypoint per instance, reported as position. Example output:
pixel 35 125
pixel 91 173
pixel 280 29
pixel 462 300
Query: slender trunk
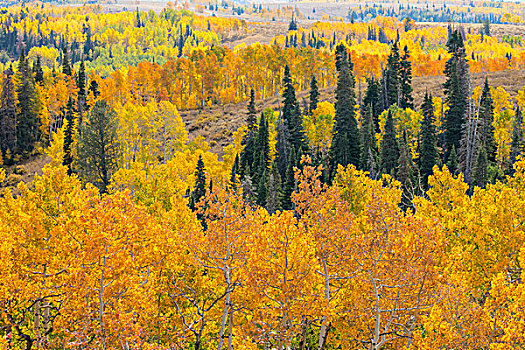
pixel 224 319
pixel 323 330
pixel 230 330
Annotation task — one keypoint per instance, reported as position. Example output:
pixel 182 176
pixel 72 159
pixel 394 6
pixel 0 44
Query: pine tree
pixel 247 154
pixel 28 123
pixel 66 68
pixel 291 118
pixel 314 95
pixel 199 191
pixel 289 182
pixel 428 153
pixel 486 118
pixel 98 148
pixel 456 89
pixel 405 81
pixel 452 163
pixel 252 111
pixel 93 87
pixel 275 195
pixel 480 175
pixel 392 87
pixel 234 172
pixel 8 116
pixel 406 172
pixel 39 73
pixel 82 97
pixel 345 147
pixel 138 23
pixel 368 159
pixel 372 99
pixel 283 147
pixel 389 148
pixel 68 136
pixel 516 146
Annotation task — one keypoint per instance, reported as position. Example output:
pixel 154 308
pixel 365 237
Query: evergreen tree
pixel 314 95
pixel 234 172
pixel 486 118
pixel 371 100
pixel 93 87
pixel 391 81
pixel 138 22
pixel 247 154
pixel 28 123
pixel 275 195
pixel 252 111
pixel 199 191
pixel 368 159
pixel 290 113
pixel 406 172
pixel 283 147
pixel 82 97
pixel 39 73
pixel 516 146
pixel 68 136
pixel 428 153
pixel 289 182
pixel 389 148
pixel 345 147
pixel 456 89
pixel 405 81
pixel 8 116
pixel 98 148
pixel 480 175
pixel 66 68
pixel 452 163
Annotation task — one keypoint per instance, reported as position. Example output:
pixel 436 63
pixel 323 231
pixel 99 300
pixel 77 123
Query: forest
pixel 358 217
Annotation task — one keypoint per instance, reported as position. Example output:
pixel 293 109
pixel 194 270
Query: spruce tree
pixel 314 95
pixel 372 99
pixel 368 159
pixel 452 163
pixel 389 148
pixel 8 116
pixel 81 85
pixel 392 86
pixel 405 80
pixel 98 147
pixel 28 123
pixel 68 136
pixel 252 111
pixel 516 146
pixel 66 68
pixel 234 172
pixel 345 147
pixel 289 182
pixel 480 174
pixel 275 195
pixel 283 147
pixel 291 113
pixel 199 190
pixel 456 90
pixel 428 153
pixel 39 73
pixel 486 118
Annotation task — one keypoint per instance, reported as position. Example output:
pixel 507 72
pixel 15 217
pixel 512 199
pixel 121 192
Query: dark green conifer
pixel 7 116
pixel 199 191
pixel 345 147
pixel 389 148
pixel 66 67
pixel 480 174
pixel 368 159
pixel 452 163
pixel 516 146
pixel 28 123
pixel 405 80
pixel 39 73
pixel 456 89
pixel 314 95
pixel 486 119
pixel 289 182
pixel 275 195
pixel 372 100
pixel 428 153
pixel 252 111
